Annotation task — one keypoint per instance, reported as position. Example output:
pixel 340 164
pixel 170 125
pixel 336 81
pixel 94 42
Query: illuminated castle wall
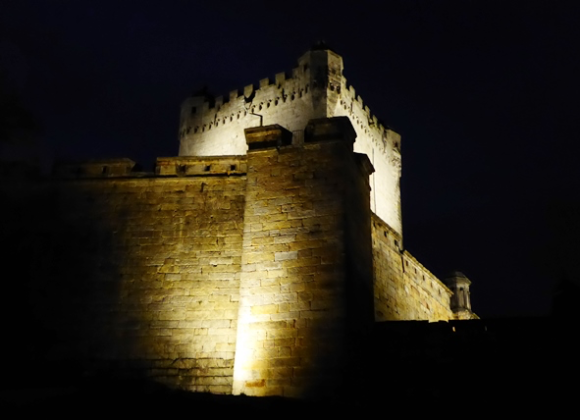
pixel 254 273
pixel 314 89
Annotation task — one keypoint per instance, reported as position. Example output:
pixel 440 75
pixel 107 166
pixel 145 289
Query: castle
pixel 253 262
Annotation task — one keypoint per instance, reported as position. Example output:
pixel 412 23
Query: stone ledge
pixel 267 137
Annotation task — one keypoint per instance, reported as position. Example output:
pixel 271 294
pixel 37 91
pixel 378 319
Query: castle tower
pixel 316 88
pixel 306 286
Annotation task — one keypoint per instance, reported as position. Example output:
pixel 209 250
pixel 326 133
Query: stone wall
pixel 142 271
pixel 300 285
pixel 316 88
pixel 403 288
pixel 226 274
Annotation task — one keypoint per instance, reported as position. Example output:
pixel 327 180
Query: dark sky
pixel 484 93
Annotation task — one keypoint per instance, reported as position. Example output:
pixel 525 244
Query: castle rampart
pixel 263 259
pixel 316 89
pixel 257 272
pixel 95 168
pixel 404 288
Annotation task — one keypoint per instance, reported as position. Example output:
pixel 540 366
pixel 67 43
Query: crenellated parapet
pixel 202 113
pixel 404 289
pixel 385 139
pixel 204 166
pixel 95 168
pixel 316 88
pixel 179 166
pixel 212 126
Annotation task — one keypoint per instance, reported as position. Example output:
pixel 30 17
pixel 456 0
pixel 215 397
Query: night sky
pixel 484 93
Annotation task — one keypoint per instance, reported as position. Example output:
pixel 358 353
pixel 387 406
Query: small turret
pixel 461 299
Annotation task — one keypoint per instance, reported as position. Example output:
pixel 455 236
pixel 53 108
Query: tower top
pixel 321 46
pixel 461 299
pixel 315 88
pixel 456 275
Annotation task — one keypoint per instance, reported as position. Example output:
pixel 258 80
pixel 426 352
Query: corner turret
pixel 323 68
pixel 461 299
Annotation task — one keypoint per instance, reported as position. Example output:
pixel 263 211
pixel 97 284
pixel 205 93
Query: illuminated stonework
pixel 259 272
pixel 306 210
pixel 316 88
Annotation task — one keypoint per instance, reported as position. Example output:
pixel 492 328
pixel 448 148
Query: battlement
pixel 95 168
pixel 369 123
pixel 204 117
pixel 194 166
pixel 259 99
pixel 164 166
pixel 316 88
pixel 404 288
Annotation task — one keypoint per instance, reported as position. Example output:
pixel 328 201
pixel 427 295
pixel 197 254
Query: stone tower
pixel 315 89
pixel 306 281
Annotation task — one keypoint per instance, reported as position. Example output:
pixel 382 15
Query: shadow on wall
pixel 58 264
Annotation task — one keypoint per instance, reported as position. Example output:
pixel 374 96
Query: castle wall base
pixel 227 274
